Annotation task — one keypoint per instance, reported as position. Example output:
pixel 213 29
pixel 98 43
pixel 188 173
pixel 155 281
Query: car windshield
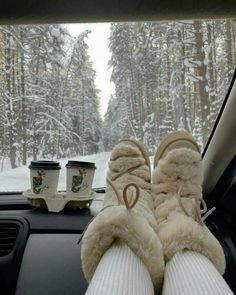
pixel 71 91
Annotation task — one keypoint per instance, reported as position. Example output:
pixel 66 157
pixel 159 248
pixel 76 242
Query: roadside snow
pixel 19 180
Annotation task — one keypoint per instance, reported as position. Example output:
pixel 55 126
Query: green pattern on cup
pixel 76 183
pixel 37 184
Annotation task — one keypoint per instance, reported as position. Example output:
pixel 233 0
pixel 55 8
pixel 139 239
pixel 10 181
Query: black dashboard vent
pixel 8 235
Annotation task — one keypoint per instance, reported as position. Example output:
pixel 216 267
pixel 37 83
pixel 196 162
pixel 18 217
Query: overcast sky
pixel 99 52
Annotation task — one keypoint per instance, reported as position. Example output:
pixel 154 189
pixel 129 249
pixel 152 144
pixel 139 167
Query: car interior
pixel 39 250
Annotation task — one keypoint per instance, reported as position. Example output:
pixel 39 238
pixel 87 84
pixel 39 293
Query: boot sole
pixel 141 148
pixel 175 140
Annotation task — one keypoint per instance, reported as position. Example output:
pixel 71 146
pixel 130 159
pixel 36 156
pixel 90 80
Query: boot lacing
pixel 124 198
pixel 197 206
pixel 128 204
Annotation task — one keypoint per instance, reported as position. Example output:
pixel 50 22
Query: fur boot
pixel 177 192
pixel 127 215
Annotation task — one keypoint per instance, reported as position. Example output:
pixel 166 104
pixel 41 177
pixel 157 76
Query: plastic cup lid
pixel 44 164
pixel 80 164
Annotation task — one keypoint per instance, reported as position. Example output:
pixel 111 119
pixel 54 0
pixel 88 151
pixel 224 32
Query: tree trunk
pixel 9 102
pixel 183 97
pixel 202 82
pixel 35 135
pixel 211 72
pixel 228 51
pixel 23 104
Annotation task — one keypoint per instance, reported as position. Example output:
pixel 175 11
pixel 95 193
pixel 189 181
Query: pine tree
pixel 197 132
pixel 167 76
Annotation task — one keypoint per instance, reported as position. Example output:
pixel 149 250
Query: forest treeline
pixel 167 76
pixel 49 105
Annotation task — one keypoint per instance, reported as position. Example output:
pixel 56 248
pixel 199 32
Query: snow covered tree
pixel 197 132
pixel 41 105
pixel 169 75
pixel 86 122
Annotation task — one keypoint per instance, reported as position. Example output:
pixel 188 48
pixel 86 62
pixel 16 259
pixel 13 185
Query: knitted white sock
pixel 189 272
pixel 120 272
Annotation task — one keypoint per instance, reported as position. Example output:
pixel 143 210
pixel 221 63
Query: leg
pixel 177 194
pixel 127 216
pixel 189 272
pixel 120 272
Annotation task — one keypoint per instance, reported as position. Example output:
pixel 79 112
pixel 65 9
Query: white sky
pixel 99 52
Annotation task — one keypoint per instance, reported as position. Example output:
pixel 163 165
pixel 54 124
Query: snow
pixel 194 78
pixel 156 91
pixel 189 41
pixel 207 49
pixel 181 124
pixel 151 117
pixel 189 62
pixel 55 32
pixel 12 43
pixel 18 179
pixel 206 62
pixel 190 22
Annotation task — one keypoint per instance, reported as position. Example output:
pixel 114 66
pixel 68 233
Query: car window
pixel 70 92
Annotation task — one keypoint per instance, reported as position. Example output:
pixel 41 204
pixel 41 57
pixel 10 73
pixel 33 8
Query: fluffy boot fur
pixel 177 191
pixel 120 219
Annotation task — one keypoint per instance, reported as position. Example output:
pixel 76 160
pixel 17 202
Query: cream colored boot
pixel 128 213
pixel 177 193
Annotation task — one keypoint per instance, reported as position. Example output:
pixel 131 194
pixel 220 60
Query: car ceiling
pixel 69 11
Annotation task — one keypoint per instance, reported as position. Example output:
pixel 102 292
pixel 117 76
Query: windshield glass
pixel 70 92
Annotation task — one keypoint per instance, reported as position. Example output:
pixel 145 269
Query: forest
pixel 167 76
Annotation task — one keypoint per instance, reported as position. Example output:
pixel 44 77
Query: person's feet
pixel 128 213
pixel 129 164
pixel 177 194
pixel 175 140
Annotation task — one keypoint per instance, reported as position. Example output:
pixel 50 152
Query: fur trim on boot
pixel 128 213
pixel 177 194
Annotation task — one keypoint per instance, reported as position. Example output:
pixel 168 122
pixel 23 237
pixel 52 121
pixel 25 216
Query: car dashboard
pixel 40 251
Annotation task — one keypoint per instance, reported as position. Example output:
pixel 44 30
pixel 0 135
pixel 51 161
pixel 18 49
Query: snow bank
pixel 19 180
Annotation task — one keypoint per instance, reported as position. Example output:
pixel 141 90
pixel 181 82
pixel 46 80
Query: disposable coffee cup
pixel 44 177
pixel 79 178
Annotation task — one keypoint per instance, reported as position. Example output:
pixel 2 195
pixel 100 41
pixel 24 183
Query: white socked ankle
pixel 190 272
pixel 120 272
